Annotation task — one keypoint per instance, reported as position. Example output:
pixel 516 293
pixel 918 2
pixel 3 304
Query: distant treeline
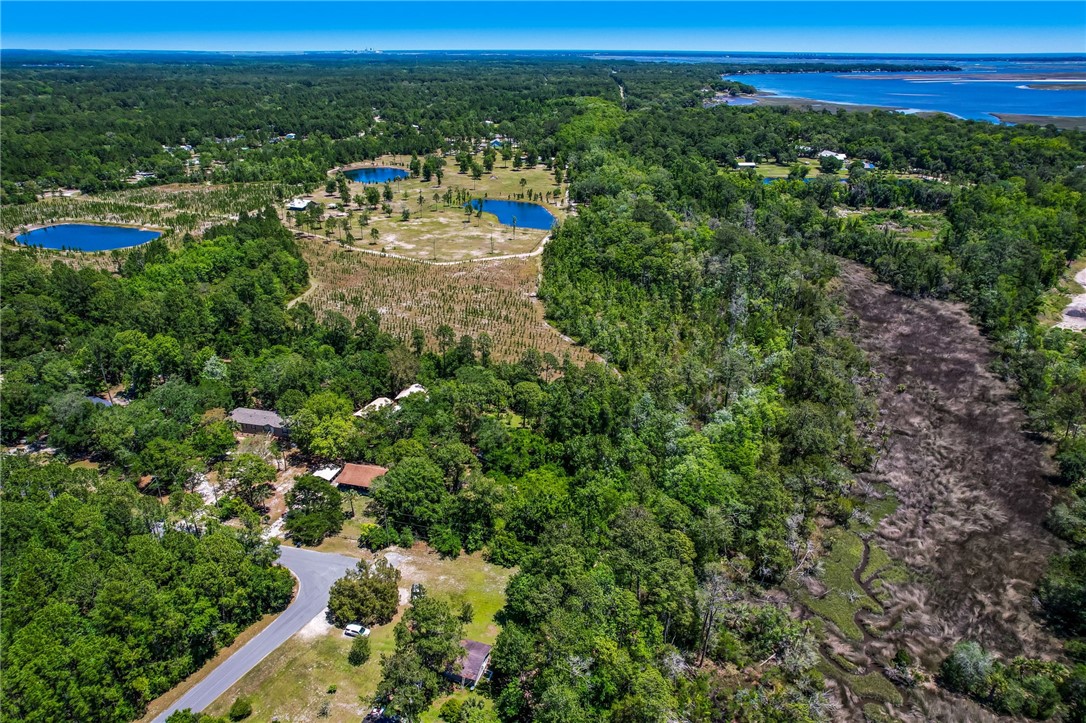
pixel 747 69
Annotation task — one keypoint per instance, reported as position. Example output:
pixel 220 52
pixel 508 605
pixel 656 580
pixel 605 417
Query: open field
pixel 181 208
pixel 496 297
pixel 439 229
pixel 971 499
pixel 293 683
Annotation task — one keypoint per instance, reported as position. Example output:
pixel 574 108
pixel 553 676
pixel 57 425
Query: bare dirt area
pixel 972 495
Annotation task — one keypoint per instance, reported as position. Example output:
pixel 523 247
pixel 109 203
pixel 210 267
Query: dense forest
pixel 650 503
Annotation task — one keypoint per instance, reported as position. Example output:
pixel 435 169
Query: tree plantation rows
pixel 660 466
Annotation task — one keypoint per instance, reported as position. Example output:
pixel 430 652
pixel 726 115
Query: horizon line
pixel 376 51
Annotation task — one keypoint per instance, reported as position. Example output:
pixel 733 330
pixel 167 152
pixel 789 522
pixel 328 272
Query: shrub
pixel 365 595
pixel 241 709
pixel 360 651
pixel 374 537
pixel 967 669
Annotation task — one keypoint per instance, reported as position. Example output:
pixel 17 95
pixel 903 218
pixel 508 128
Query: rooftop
pixel 413 389
pixel 473 661
pixel 359 475
pixel 256 417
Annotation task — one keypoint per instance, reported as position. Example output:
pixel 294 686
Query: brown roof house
pixel 259 421
pixel 359 477
pixel 473 663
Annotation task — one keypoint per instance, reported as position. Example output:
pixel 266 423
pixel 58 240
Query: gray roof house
pixel 259 421
pixel 473 663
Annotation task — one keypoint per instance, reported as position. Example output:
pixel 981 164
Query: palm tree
pixel 351 496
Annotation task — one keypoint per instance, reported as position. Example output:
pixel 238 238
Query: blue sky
pixel 925 26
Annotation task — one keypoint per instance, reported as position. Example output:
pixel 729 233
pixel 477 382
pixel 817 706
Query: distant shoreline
pixel 1062 122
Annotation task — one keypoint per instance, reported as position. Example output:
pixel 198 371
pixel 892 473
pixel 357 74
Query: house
pixel 378 403
pixel 298 204
pixel 358 477
pixel 746 164
pixel 327 473
pixel 473 663
pixel 259 421
pixel 839 156
pixel 413 389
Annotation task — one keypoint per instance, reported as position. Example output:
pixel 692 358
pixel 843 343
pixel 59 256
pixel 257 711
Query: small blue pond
pixel 86 237
pixel 528 215
pixel 376 175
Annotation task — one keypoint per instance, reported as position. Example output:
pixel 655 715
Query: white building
pixel 297 204
pixel 378 403
pixel 413 389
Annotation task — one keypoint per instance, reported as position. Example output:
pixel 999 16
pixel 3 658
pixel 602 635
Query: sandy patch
pixel 315 628
pixel 1074 315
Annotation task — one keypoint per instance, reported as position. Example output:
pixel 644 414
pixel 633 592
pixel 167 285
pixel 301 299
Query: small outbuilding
pixel 473 663
pixel 259 421
pixel 358 477
pixel 327 473
pixel 298 204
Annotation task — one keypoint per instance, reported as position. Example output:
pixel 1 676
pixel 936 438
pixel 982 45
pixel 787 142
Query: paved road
pixel 316 571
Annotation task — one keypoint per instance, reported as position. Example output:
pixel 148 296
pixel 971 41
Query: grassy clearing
pixel 843 597
pixel 460 694
pixel 292 683
pixel 436 231
pixel 871 685
pixel 496 297
pixel 780 170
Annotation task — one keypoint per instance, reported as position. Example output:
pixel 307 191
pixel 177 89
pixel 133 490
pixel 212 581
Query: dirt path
pixel 972 489
pixel 1074 315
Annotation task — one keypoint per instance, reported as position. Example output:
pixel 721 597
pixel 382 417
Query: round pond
pixel 380 174
pixel 528 215
pixel 87 237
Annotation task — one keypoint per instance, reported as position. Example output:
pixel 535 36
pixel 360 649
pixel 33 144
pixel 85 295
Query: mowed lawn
pixel 292 683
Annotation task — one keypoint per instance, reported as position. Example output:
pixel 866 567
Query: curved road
pixel 316 571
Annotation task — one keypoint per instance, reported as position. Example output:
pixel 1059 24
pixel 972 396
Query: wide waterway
pixel 972 95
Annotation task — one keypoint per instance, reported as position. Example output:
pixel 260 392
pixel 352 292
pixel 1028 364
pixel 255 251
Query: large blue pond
pixel 977 96
pixel 528 215
pixel 86 237
pixel 380 174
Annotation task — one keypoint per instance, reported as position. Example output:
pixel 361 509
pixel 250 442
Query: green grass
pixel 871 685
pixel 291 683
pixel 436 232
pixel 461 694
pixel 835 606
pixel 877 714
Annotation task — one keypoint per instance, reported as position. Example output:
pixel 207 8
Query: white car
pixel 354 630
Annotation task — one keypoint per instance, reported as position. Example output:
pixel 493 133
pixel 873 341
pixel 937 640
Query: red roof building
pixel 359 476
